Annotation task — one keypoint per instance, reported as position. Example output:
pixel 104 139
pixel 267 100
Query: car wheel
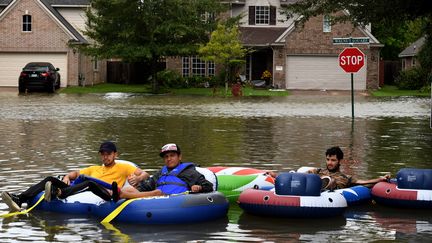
pixel 51 88
pixel 58 83
pixel 21 88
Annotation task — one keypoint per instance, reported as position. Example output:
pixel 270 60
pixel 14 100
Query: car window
pixel 36 67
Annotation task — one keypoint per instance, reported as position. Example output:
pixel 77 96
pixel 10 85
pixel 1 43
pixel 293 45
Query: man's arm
pixel 196 180
pixel 372 181
pixel 71 176
pixel 138 176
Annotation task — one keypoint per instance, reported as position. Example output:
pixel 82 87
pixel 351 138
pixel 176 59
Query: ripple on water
pixel 127 105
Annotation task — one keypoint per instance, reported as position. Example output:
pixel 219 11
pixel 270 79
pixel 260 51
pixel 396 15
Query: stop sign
pixel 351 59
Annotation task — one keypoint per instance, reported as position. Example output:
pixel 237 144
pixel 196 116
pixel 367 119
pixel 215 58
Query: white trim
pixel 291 27
pixel 364 30
pixel 7 9
pixel 70 6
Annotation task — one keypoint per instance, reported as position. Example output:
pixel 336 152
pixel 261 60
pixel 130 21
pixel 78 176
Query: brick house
pixel 42 30
pixel 298 58
pixel 409 54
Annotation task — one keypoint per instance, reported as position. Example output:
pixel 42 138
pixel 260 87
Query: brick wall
pixel 312 40
pixel 46 37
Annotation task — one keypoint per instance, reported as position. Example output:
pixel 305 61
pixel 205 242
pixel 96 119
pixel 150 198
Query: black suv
pixel 39 75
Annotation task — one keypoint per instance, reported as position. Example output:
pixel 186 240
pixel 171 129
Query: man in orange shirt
pixel 112 174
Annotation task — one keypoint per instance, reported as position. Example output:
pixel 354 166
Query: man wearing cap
pixel 174 178
pixel 112 174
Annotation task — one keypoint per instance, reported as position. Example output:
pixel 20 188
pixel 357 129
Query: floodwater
pixel 49 134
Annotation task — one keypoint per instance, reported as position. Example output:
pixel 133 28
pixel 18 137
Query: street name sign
pixel 351 40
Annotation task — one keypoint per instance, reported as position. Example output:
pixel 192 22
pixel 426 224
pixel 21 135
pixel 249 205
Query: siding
pixel 75 16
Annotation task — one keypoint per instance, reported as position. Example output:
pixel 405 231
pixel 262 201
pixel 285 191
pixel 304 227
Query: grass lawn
pixel 140 88
pixel 220 92
pixel 389 90
pixel 106 88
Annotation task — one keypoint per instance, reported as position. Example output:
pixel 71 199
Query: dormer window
pixel 262 14
pixel 27 23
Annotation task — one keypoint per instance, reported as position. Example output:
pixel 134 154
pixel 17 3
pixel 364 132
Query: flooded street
pixel 45 134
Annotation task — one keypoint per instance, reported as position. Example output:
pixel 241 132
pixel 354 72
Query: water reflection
pixel 280 229
pixel 50 134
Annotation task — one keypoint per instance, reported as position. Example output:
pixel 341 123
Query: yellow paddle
pixel 24 211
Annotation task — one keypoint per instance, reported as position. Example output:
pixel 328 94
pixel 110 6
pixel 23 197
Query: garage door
pixel 312 72
pixel 11 65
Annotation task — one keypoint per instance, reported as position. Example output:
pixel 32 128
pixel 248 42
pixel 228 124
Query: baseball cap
pixel 170 147
pixel 108 147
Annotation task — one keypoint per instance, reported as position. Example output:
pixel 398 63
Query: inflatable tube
pixel 268 203
pixel 295 196
pixel 411 189
pixel 389 194
pixel 174 209
pixel 354 195
pixel 224 170
pixel 234 180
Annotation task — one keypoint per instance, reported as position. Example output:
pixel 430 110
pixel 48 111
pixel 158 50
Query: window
pixel 414 61
pixel 197 67
pixel 185 66
pixel 27 23
pixel 326 23
pixel 95 64
pixel 262 14
pixel 208 17
pixel 403 64
pixel 211 68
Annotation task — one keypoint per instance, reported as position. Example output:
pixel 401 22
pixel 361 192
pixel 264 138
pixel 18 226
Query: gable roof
pixel 58 18
pixel 373 41
pixel 257 36
pixel 79 38
pixel 413 49
pixel 55 2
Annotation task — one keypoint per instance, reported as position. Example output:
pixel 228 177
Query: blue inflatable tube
pixel 354 195
pixel 174 209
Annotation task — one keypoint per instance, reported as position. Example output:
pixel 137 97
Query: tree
pixel 148 30
pixel 224 48
pixel 397 38
pixel 361 12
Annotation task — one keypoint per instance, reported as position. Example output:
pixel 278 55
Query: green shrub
pixel 200 82
pixel 412 79
pixel 171 79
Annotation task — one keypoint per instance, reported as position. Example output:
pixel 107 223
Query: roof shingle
pixel 255 36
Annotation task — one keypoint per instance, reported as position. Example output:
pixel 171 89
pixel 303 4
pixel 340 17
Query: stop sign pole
pixel 351 60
